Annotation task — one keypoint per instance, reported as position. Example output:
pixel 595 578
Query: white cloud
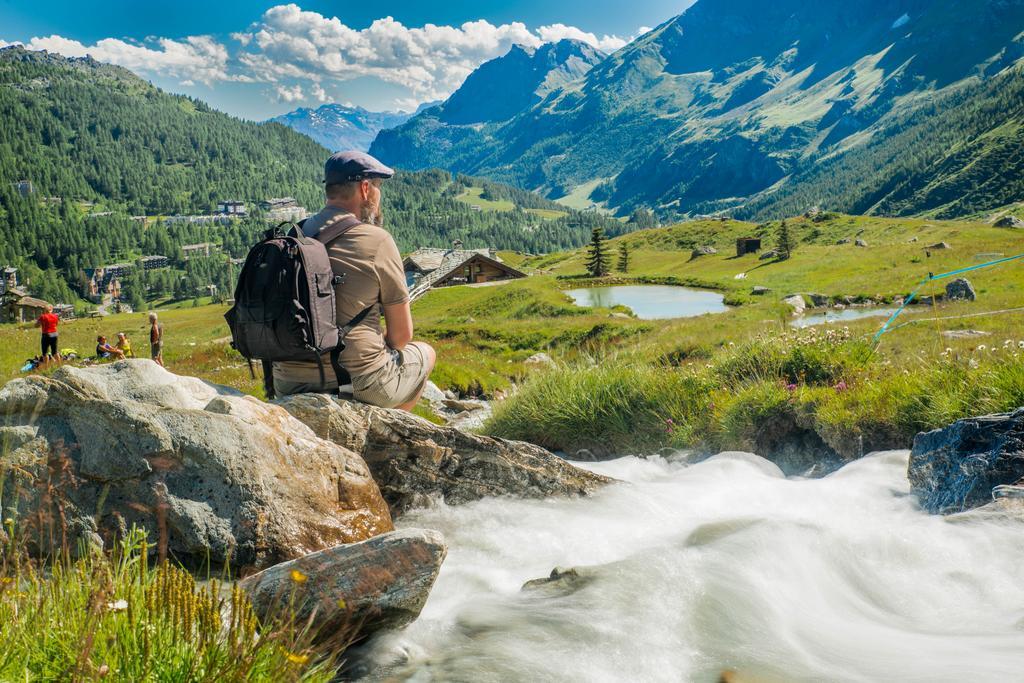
pixel 195 58
pixel 431 61
pixel 300 52
pixel 556 32
pixel 287 93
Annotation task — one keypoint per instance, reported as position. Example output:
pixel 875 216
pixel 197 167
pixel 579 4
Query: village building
pixel 193 250
pixel 280 209
pixel 20 309
pixel 8 278
pixel 64 311
pixel 278 203
pixel 429 268
pixel 747 245
pixel 155 261
pixel 23 187
pixel 200 219
pixel 16 306
pixel 231 208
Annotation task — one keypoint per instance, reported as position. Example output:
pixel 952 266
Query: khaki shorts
pixel 396 382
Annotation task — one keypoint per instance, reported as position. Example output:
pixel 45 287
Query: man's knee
pixel 429 355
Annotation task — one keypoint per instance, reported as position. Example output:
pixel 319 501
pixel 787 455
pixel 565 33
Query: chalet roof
pixel 429 259
pixel 454 260
pixel 31 302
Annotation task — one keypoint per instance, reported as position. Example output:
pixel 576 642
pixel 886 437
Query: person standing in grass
pixel 156 339
pixel 47 323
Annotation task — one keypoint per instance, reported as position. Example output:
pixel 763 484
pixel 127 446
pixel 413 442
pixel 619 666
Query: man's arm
pixel 398 318
pixel 39 321
pixel 394 295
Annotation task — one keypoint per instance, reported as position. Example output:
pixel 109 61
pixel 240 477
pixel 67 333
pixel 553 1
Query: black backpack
pixel 285 302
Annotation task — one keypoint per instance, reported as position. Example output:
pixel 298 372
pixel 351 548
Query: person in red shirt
pixel 47 323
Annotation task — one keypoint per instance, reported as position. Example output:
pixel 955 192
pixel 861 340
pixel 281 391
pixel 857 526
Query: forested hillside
pixel 89 131
pixel 100 145
pixel 958 155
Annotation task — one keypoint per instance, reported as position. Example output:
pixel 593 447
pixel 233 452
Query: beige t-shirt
pixel 374 276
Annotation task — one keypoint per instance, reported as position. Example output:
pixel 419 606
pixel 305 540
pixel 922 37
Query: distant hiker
pixel 386 369
pixel 47 323
pixel 156 339
pixel 105 350
pixel 123 345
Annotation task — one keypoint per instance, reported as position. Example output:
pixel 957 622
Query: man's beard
pixel 374 215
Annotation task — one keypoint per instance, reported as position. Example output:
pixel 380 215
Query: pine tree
pixel 623 258
pixel 784 242
pixel 597 254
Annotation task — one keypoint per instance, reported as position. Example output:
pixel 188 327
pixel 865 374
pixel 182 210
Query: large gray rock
pixel 770 254
pixel 415 461
pixel 1009 221
pixel 349 592
pixel 702 251
pixel 796 301
pixel 955 468
pixel 961 289
pixel 212 473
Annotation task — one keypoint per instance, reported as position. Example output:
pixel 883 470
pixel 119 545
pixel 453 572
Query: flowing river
pixel 722 565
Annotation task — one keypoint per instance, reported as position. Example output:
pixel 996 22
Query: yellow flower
pixel 342 604
pixel 297 658
pixel 298 577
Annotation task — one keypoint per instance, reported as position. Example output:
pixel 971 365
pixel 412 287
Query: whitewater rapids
pixel 722 565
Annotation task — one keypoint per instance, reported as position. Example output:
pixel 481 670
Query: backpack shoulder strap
pixel 336 227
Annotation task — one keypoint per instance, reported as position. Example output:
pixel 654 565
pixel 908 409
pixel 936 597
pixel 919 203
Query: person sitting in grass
pixel 123 345
pixel 105 350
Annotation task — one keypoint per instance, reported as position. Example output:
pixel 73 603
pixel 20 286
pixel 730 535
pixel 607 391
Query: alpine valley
pixel 761 110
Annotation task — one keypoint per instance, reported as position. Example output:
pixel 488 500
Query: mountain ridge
pixel 339 126
pixel 722 106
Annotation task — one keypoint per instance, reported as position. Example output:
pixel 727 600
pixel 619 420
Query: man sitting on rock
pixel 388 369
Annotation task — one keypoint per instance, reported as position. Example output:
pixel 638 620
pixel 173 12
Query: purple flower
pixel 841 386
pixel 790 387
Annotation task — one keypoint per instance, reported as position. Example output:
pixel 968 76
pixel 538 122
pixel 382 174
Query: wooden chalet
pixel 429 268
pixel 16 307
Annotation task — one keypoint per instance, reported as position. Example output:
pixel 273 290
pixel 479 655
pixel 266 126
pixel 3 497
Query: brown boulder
pixel 212 473
pixel 414 460
pixel 348 592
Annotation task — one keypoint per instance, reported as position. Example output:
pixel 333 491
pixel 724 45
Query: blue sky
pixel 260 59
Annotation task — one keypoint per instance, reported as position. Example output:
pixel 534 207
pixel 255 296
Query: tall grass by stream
pixel 754 396
pixel 115 616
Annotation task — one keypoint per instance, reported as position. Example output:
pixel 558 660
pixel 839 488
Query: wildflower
pixel 1020 345
pixel 103 671
pixel 342 604
pixel 117 606
pixel 841 386
pixel 295 658
pixel 982 347
pixel 790 387
pixel 298 577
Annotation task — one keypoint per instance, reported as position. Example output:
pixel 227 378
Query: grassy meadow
pixel 662 373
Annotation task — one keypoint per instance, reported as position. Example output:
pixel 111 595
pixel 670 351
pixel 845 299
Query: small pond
pixel 830 316
pixel 651 302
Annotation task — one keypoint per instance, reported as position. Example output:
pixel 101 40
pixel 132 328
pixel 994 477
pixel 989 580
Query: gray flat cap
pixel 352 164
